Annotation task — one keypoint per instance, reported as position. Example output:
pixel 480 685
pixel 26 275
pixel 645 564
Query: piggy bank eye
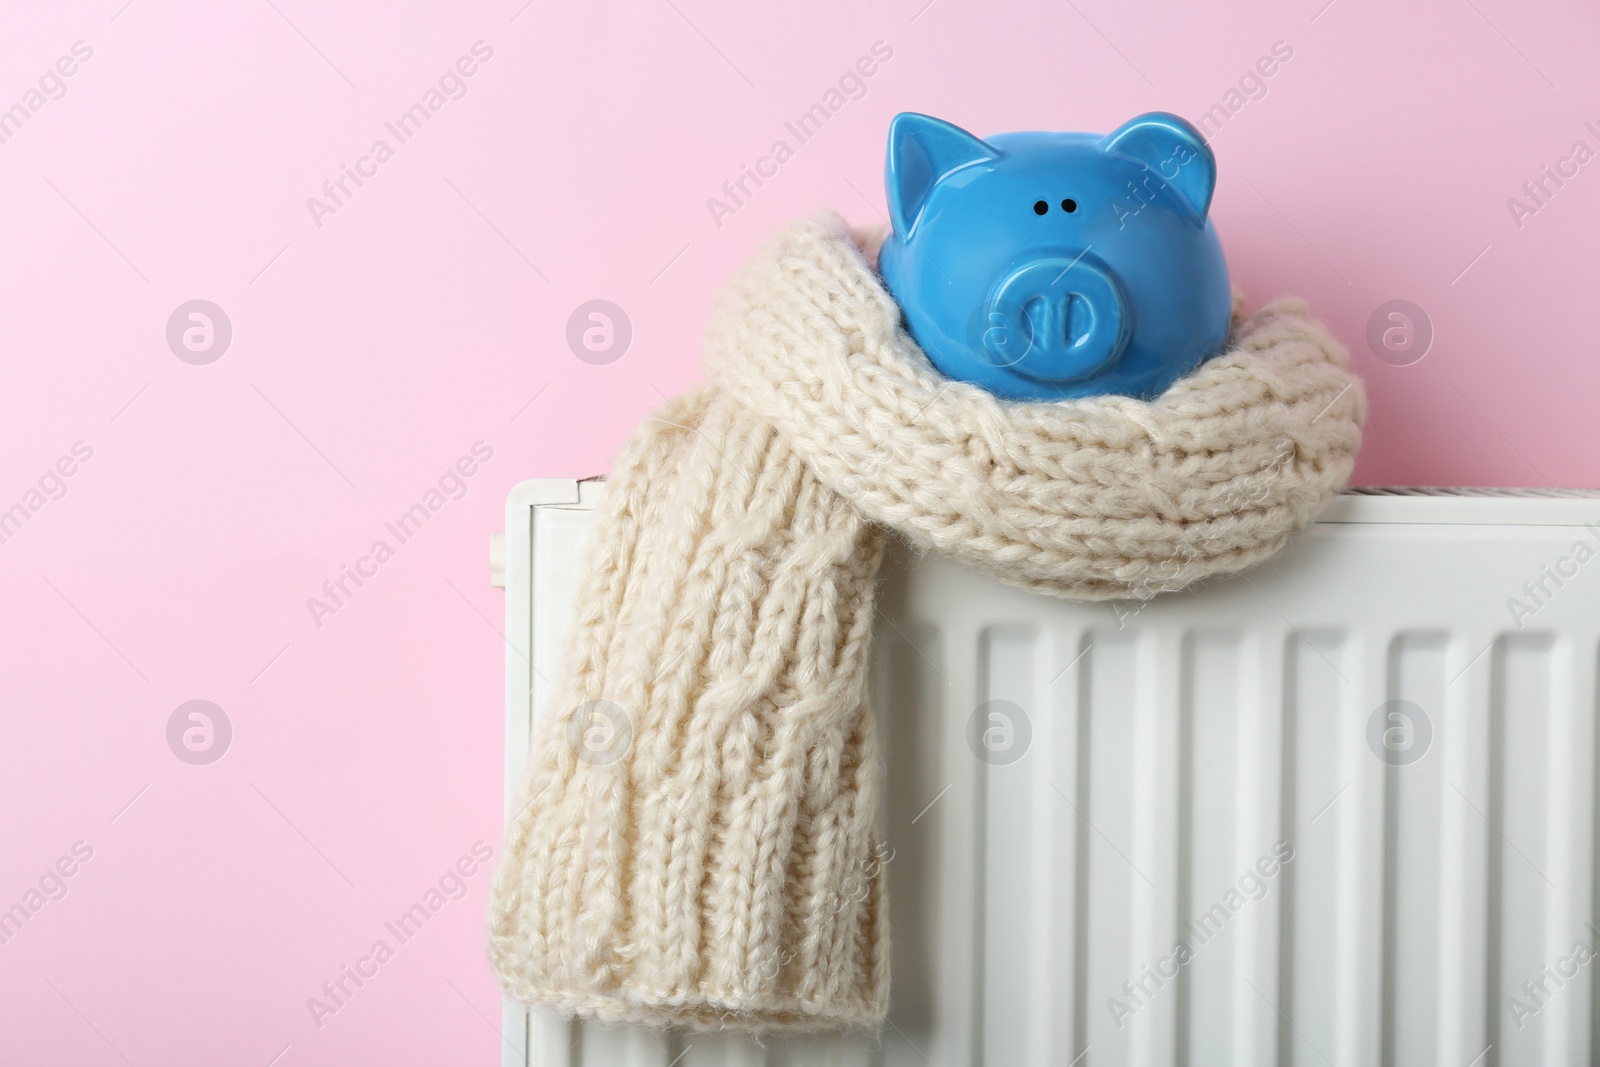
pixel 1040 207
pixel 1068 205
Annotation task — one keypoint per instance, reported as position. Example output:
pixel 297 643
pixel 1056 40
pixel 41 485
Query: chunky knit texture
pixel 698 841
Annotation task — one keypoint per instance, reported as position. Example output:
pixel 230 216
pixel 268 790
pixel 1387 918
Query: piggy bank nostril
pixel 1079 317
pixel 1040 322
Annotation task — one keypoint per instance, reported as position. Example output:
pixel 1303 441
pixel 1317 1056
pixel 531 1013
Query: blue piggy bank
pixel 1043 266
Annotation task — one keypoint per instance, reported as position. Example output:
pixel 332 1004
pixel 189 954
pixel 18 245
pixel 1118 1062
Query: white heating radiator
pixel 1355 785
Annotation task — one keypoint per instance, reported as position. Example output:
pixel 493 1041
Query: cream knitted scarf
pixel 698 841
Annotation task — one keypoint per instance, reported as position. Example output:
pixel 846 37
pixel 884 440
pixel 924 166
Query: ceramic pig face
pixel 1044 266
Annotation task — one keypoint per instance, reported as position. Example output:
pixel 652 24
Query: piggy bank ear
pixel 922 151
pixel 1172 148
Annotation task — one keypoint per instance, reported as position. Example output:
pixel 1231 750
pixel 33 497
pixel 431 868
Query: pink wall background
pixel 429 313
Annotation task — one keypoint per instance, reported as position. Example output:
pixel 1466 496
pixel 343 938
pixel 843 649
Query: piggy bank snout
pixel 1055 318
